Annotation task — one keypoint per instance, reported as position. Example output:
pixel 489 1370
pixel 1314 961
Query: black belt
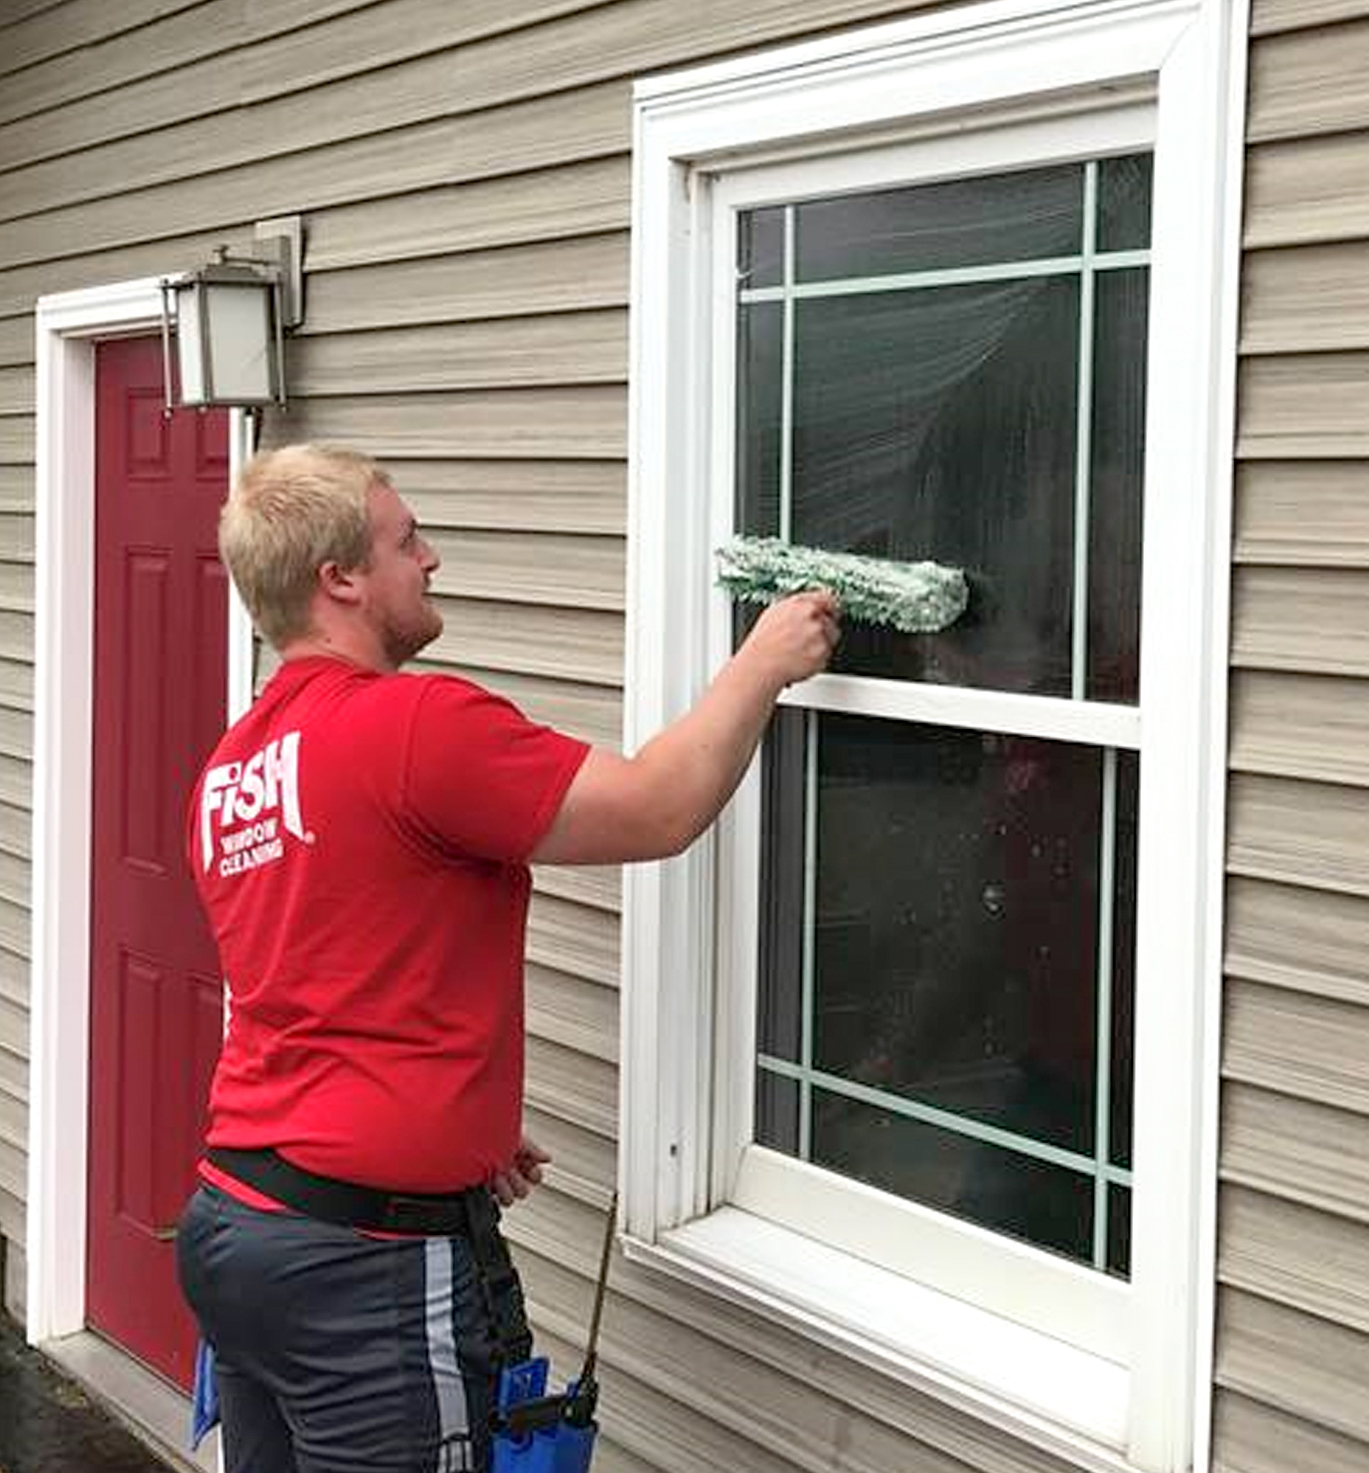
pixel 467 1214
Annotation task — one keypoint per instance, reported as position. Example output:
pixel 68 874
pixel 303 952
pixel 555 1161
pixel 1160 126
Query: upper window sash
pixel 1083 131
pixel 860 317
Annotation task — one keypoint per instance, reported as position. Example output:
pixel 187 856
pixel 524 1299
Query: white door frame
pixel 68 326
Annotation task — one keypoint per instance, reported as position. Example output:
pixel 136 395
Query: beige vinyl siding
pixel 1258 1439
pixel 551 496
pixel 17 10
pixel 1269 16
pixel 29 39
pixel 247 53
pixel 1293 1316
pixel 564 347
pixel 464 176
pixel 18 41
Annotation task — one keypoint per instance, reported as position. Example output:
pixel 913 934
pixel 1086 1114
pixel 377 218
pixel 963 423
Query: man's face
pixel 404 617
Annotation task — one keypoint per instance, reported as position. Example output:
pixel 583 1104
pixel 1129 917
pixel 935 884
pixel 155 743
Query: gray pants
pixel 337 1352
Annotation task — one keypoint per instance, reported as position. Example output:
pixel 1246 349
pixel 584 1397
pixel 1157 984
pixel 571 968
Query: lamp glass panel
pixel 190 343
pixel 241 346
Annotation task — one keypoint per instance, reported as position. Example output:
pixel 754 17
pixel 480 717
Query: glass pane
pixel 779 1015
pixel 954 937
pixel 1117 471
pixel 1124 957
pixel 956 927
pixel 760 247
pixel 941 424
pixel 760 350
pixel 1124 203
pixel 927 227
pixel 777 1112
pixel 1050 1206
pixel 1119 1231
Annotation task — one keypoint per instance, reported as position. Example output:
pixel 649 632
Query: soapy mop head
pixel 914 598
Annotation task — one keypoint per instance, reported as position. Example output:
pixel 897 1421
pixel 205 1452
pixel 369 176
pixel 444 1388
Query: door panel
pixel 160 676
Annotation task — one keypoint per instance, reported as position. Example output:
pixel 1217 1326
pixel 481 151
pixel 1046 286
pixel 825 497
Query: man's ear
pixel 339 583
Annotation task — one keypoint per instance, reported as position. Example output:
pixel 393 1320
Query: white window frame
pixel 1124 1379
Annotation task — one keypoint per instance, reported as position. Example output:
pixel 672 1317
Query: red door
pixel 160 678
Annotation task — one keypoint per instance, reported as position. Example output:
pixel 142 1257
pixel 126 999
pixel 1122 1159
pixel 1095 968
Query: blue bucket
pixel 554 1434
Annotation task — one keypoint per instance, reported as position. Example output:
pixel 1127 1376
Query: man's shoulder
pixel 361 709
pixel 333 688
pixel 451 693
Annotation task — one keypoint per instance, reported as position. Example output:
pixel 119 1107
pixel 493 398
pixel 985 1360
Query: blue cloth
pixel 204 1399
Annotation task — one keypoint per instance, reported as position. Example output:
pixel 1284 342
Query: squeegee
pixel 914 598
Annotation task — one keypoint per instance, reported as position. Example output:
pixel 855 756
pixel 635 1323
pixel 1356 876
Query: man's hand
pixel 794 637
pixel 521 1175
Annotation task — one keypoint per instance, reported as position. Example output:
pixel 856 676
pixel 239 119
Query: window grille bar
pixel 1083 440
pixel 1102 1124
pixel 786 527
pixel 904 281
pixel 962 1125
pixel 810 901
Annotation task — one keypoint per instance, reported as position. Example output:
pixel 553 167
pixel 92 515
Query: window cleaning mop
pixel 914 598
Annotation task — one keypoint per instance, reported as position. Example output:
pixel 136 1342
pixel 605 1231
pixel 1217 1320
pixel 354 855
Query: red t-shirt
pixel 360 844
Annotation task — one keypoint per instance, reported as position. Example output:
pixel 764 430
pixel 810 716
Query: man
pixel 361 840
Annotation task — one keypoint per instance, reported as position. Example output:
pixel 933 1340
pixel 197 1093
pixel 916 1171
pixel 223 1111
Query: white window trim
pixel 67 327
pixel 902 81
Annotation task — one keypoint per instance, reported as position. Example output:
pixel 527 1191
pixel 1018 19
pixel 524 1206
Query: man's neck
pixel 322 645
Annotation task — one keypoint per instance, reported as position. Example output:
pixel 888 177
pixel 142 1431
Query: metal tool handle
pixel 600 1290
pixel 583 1399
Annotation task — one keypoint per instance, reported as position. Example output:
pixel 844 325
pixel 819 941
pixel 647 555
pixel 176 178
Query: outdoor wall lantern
pixel 229 320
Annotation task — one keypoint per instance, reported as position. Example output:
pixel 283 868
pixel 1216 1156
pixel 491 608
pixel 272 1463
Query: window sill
pixel 1062 1399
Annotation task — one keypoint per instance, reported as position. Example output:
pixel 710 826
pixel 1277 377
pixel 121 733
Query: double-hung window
pixel 944 925
pixel 918 1043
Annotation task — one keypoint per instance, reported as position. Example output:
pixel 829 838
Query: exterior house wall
pixel 464 170
pixel 1293 1319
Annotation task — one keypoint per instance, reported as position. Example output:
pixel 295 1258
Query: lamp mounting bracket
pixel 281 241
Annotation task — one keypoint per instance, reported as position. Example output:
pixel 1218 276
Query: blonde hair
pixel 290 511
